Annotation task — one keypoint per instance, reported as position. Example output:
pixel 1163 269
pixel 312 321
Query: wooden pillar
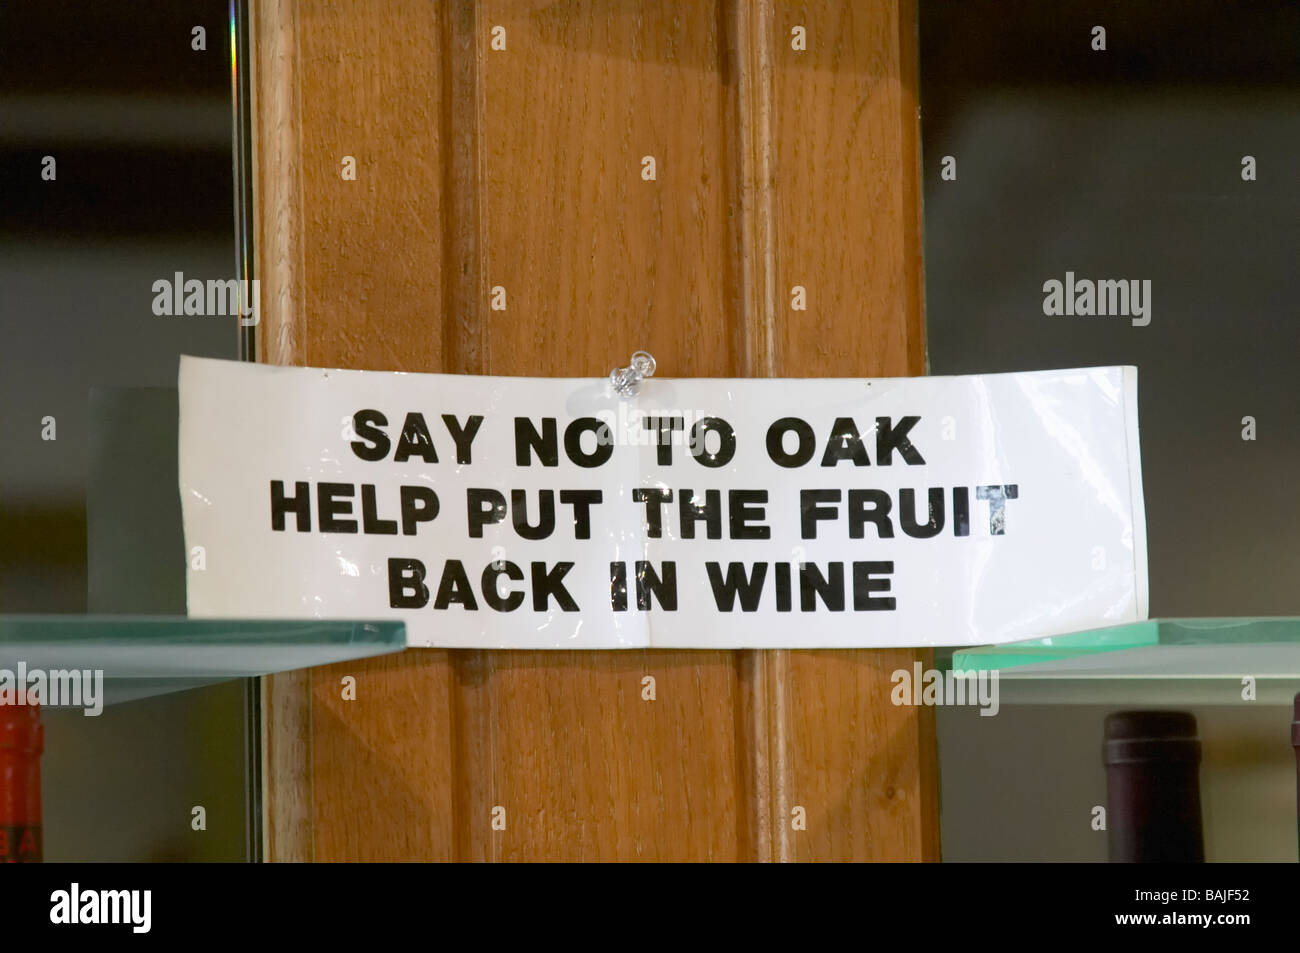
pixel 525 169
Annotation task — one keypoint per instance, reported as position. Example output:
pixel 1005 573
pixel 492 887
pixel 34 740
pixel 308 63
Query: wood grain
pixel 846 141
pixel 521 169
pixel 276 87
pixel 612 263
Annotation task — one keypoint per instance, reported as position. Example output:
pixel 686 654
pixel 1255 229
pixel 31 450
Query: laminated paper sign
pixel 552 513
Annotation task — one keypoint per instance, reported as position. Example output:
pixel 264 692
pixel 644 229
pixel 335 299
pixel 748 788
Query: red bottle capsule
pixel 22 739
pixel 1295 743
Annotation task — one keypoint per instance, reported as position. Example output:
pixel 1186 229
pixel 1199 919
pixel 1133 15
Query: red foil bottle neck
pixel 21 729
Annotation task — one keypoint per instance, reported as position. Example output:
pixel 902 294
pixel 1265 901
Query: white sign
pixel 496 512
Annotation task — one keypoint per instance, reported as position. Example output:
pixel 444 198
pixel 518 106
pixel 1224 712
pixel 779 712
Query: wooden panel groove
pixel 286 699
pixel 464 316
pixel 751 40
pixel 468 351
pixel 277 108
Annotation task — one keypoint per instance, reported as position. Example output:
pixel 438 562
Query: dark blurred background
pixel 140 125
pixel 1126 164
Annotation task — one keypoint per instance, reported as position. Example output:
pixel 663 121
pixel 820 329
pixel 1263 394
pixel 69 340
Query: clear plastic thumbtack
pixel 627 380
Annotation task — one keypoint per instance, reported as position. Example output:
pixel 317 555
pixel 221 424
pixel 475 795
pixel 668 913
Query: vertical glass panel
pixel 1113 182
pixel 116 146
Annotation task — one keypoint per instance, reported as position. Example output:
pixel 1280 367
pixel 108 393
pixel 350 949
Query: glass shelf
pixel 142 656
pixel 1156 662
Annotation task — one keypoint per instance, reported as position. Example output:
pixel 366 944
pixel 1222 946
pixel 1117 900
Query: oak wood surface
pixel 522 168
